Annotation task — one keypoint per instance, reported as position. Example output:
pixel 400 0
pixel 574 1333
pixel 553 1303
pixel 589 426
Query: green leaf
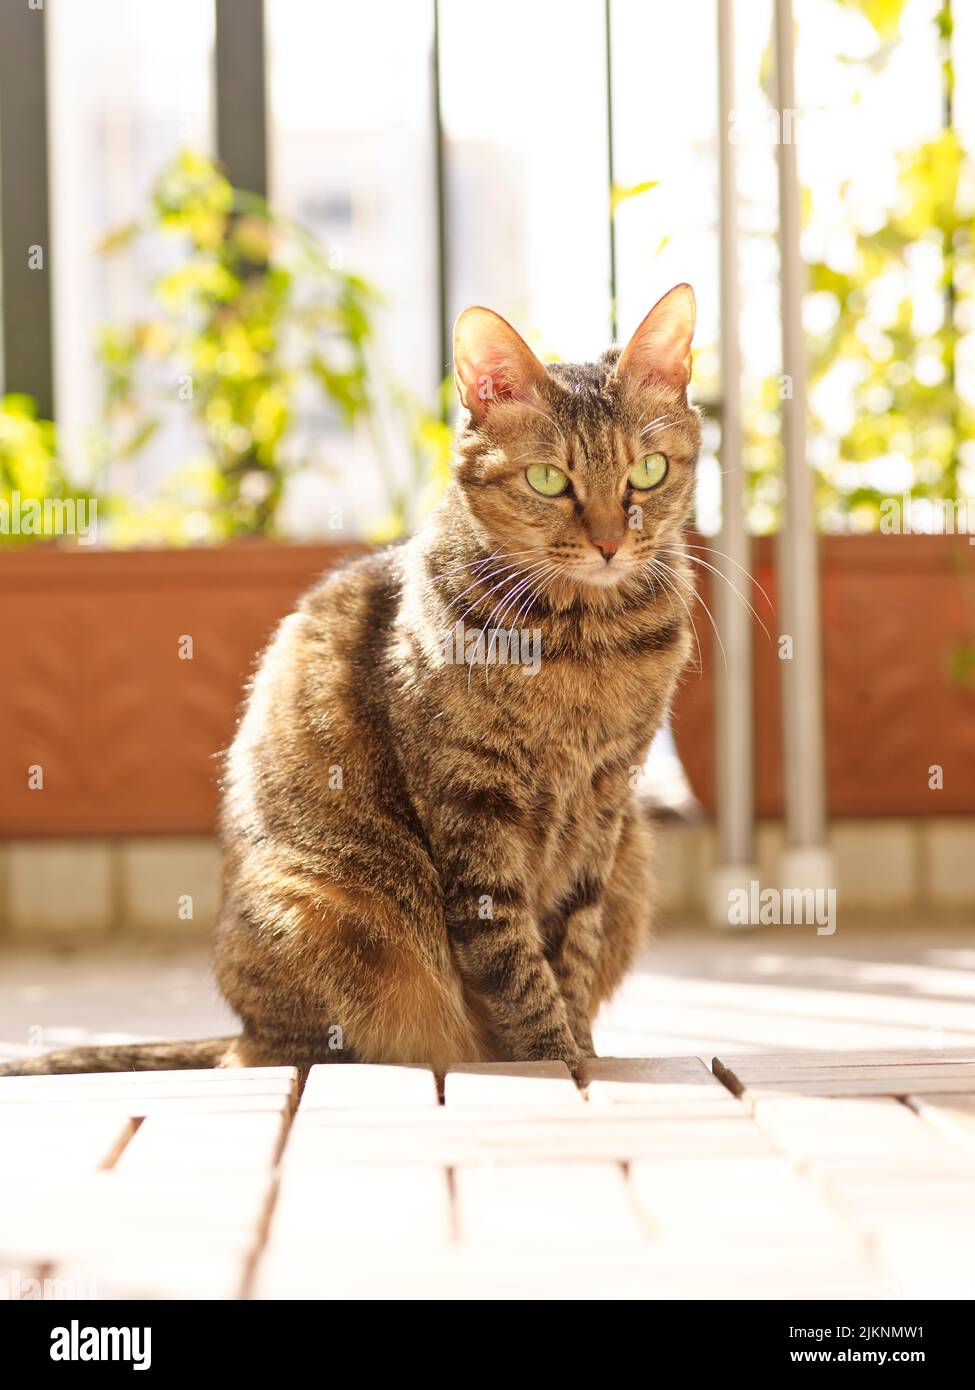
pixel 620 193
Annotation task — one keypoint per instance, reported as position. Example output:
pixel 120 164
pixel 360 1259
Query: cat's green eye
pixel 648 472
pixel 549 481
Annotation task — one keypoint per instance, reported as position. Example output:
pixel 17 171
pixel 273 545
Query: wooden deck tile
pixel 485 1275
pixel 531 1084
pixel 135 1104
pixel 360 1207
pixel 20 1275
pixel 181 1143
pixel 351 1085
pixel 213 1081
pixel 905 1183
pixel 752 1200
pixel 108 1212
pixel 868 1129
pixel 470 1135
pixel 652 1182
pixel 752 1077
pixel 540 1207
pixel 932 1264
pixel 54 1144
pixel 677 1086
pixel 794 1062
pixel 152 1273
pixel 178 1207
pixel 952 1115
pixel 645 1073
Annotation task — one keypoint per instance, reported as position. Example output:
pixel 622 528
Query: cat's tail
pixel 161 1056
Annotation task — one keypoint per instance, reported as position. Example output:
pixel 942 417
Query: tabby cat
pixel 433 851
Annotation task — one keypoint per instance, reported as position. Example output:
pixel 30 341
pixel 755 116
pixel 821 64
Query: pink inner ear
pixel 667 356
pixel 489 378
pixel 661 346
pixel 491 361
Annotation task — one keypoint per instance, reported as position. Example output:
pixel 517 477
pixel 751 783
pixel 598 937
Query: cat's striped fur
pixel 435 862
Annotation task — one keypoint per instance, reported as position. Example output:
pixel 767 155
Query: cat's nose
pixel 607 545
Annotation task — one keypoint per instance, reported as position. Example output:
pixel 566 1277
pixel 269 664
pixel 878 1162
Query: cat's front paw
pixel 565 1050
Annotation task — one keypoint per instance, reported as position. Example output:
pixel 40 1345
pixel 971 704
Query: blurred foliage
pixel 907 428
pixel 252 325
pixel 884 15
pixel 29 467
pixel 620 193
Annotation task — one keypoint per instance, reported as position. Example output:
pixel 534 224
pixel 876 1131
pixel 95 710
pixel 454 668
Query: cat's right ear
pixel 492 362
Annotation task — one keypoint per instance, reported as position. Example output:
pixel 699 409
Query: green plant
pixel 907 416
pixel 30 470
pixel 252 320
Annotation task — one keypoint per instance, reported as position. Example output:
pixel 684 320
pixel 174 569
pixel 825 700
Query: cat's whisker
pixel 747 573
pixel 484 579
pixel 458 569
pixel 481 579
pixel 508 578
pixel 661 422
pixel 514 597
pixel 507 600
pixel 473 564
pixel 525 577
pixel 696 559
pixel 669 589
pixel 535 591
pixel 680 578
pixel 515 580
pixel 652 422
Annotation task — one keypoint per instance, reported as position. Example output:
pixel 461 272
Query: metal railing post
pixel 25 233
pixel 734 866
pixel 240 95
pixel 806 860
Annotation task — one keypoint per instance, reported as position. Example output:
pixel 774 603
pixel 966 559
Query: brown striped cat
pixel 433 851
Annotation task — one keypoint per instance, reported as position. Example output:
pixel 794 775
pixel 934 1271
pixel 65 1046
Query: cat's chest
pixel 569 718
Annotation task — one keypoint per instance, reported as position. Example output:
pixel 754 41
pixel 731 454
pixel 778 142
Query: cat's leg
pixel 627 907
pixel 597 929
pixel 576 943
pixel 494 935
pixel 325 972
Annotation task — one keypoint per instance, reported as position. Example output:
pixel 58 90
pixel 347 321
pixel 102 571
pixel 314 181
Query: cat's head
pixel 591 465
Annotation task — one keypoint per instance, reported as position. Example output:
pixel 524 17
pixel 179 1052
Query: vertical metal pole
pixel 806 862
pixel 444 344
pixel 25 235
pixel 734 744
pixel 611 163
pixel 241 93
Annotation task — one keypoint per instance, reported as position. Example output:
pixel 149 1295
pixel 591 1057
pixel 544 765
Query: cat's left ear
pixel 661 346
pixel 492 362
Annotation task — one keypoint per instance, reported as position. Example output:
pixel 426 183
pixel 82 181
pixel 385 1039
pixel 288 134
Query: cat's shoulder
pixel 379 567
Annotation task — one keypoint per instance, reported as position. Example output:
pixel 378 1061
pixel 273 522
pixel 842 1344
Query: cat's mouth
pixel 603 575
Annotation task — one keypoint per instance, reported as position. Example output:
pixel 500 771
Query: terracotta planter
pixel 895 608
pixel 95 692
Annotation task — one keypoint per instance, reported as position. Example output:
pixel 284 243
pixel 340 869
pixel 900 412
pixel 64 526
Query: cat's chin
pixel 600 577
